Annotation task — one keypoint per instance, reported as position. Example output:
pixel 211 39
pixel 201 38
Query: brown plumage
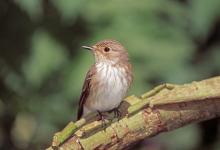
pixel 85 90
pixel 108 80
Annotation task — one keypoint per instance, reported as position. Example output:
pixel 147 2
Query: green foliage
pixel 182 138
pixel 32 7
pixel 69 9
pixel 46 56
pixel 168 41
pixel 203 15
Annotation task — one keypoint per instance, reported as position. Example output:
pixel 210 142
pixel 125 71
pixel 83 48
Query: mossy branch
pixel 164 108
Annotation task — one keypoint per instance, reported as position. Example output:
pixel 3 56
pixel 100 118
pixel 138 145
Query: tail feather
pixel 80 113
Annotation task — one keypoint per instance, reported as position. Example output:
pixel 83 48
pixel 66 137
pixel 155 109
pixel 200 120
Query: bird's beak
pixel 87 47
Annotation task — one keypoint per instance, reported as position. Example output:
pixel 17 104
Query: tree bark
pixel 163 109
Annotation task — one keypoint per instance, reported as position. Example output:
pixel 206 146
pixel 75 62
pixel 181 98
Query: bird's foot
pixel 117 113
pixel 103 119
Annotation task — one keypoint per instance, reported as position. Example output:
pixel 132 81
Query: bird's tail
pixel 79 113
pixel 82 112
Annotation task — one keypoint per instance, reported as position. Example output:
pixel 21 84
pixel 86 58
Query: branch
pixel 163 109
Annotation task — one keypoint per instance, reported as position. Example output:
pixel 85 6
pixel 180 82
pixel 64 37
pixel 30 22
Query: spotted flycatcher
pixel 108 80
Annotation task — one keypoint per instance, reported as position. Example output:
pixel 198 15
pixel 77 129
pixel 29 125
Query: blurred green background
pixel 42 66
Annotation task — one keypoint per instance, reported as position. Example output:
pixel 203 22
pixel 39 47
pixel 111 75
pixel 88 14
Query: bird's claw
pixel 117 113
pixel 103 119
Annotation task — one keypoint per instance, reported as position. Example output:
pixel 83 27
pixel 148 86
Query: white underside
pixel 114 88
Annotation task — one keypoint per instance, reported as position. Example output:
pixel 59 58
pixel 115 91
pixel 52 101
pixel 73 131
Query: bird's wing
pixel 85 91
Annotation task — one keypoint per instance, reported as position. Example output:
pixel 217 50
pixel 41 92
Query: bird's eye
pixel 106 49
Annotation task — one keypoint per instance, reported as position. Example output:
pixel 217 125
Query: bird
pixel 108 80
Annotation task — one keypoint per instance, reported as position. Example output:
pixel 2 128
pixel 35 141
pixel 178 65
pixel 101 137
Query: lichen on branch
pixel 162 109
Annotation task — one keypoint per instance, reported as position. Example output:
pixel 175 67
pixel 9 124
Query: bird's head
pixel 108 51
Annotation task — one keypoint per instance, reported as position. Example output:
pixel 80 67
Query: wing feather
pixel 85 91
